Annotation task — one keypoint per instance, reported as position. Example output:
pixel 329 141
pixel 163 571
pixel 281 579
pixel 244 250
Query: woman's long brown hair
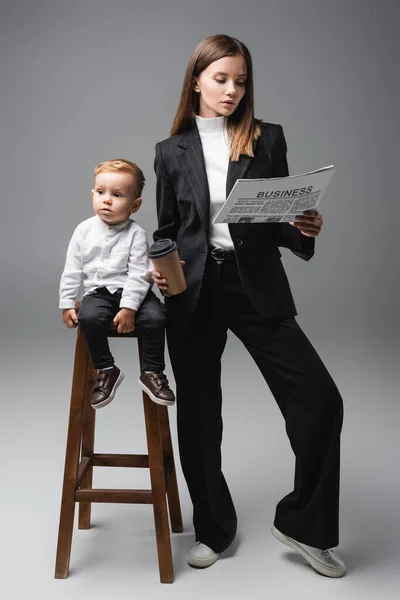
pixel 243 128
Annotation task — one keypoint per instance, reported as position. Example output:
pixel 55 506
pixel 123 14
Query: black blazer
pixel 183 206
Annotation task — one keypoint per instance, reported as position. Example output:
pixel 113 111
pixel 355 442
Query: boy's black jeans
pixel 99 308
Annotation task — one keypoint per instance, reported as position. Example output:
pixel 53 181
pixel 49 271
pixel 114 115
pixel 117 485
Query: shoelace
pixel 329 557
pixel 99 381
pixel 159 379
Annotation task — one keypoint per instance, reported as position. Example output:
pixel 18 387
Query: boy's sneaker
pixel 105 386
pixel 156 387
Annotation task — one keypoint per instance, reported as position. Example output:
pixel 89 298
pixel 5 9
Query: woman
pixel 236 281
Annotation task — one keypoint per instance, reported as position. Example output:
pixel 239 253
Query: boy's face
pixel 114 197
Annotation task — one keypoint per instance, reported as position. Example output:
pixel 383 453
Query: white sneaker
pixel 201 556
pixel 326 562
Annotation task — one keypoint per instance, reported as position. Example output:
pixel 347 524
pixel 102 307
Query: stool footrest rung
pixel 121 460
pixel 114 496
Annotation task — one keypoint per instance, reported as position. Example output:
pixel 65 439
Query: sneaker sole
pixel 318 566
pixel 202 563
pixel 112 393
pixel 153 397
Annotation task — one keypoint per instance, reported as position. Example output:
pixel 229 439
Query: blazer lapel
pixel 236 170
pixel 192 161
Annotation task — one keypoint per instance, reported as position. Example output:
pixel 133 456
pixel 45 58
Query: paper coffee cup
pixel 165 257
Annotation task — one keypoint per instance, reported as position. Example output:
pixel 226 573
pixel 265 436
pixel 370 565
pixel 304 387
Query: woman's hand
pixel 160 281
pixel 309 223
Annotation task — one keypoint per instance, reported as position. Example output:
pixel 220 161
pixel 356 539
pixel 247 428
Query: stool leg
pixel 71 460
pixel 157 478
pixel 174 505
pixel 88 429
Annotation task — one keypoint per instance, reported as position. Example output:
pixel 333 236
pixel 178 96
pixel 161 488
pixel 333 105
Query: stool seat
pixel 80 459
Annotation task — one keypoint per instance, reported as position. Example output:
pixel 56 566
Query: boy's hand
pixel 124 320
pixel 69 318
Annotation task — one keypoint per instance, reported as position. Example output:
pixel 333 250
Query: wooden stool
pixel 80 460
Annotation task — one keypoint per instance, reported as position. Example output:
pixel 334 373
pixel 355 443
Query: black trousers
pixel 306 395
pixel 99 308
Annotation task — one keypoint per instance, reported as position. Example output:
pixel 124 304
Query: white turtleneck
pixel 214 139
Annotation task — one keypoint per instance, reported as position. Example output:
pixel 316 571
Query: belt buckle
pixel 218 255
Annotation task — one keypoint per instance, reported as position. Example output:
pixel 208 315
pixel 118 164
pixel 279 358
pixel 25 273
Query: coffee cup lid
pixel 162 248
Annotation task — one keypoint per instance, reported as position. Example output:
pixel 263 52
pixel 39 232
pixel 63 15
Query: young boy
pixel 110 253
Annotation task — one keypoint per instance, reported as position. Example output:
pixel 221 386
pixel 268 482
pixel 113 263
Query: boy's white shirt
pixel 111 256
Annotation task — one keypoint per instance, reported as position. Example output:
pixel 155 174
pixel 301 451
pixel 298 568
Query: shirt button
pixel 239 242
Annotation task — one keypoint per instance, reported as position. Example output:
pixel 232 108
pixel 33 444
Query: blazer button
pixel 239 242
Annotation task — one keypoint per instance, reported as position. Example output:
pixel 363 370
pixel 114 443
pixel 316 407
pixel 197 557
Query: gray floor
pixel 118 555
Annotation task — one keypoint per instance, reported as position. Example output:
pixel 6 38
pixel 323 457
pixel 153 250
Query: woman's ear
pixel 196 85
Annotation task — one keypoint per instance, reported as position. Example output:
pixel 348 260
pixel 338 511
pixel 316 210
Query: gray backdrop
pixel 84 81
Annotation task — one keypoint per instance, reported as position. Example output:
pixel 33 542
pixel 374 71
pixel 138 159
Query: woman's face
pixel 221 86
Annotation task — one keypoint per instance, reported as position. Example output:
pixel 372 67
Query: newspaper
pixel 274 200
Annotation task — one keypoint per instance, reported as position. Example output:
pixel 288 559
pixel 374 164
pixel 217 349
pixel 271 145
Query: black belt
pixel 221 254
